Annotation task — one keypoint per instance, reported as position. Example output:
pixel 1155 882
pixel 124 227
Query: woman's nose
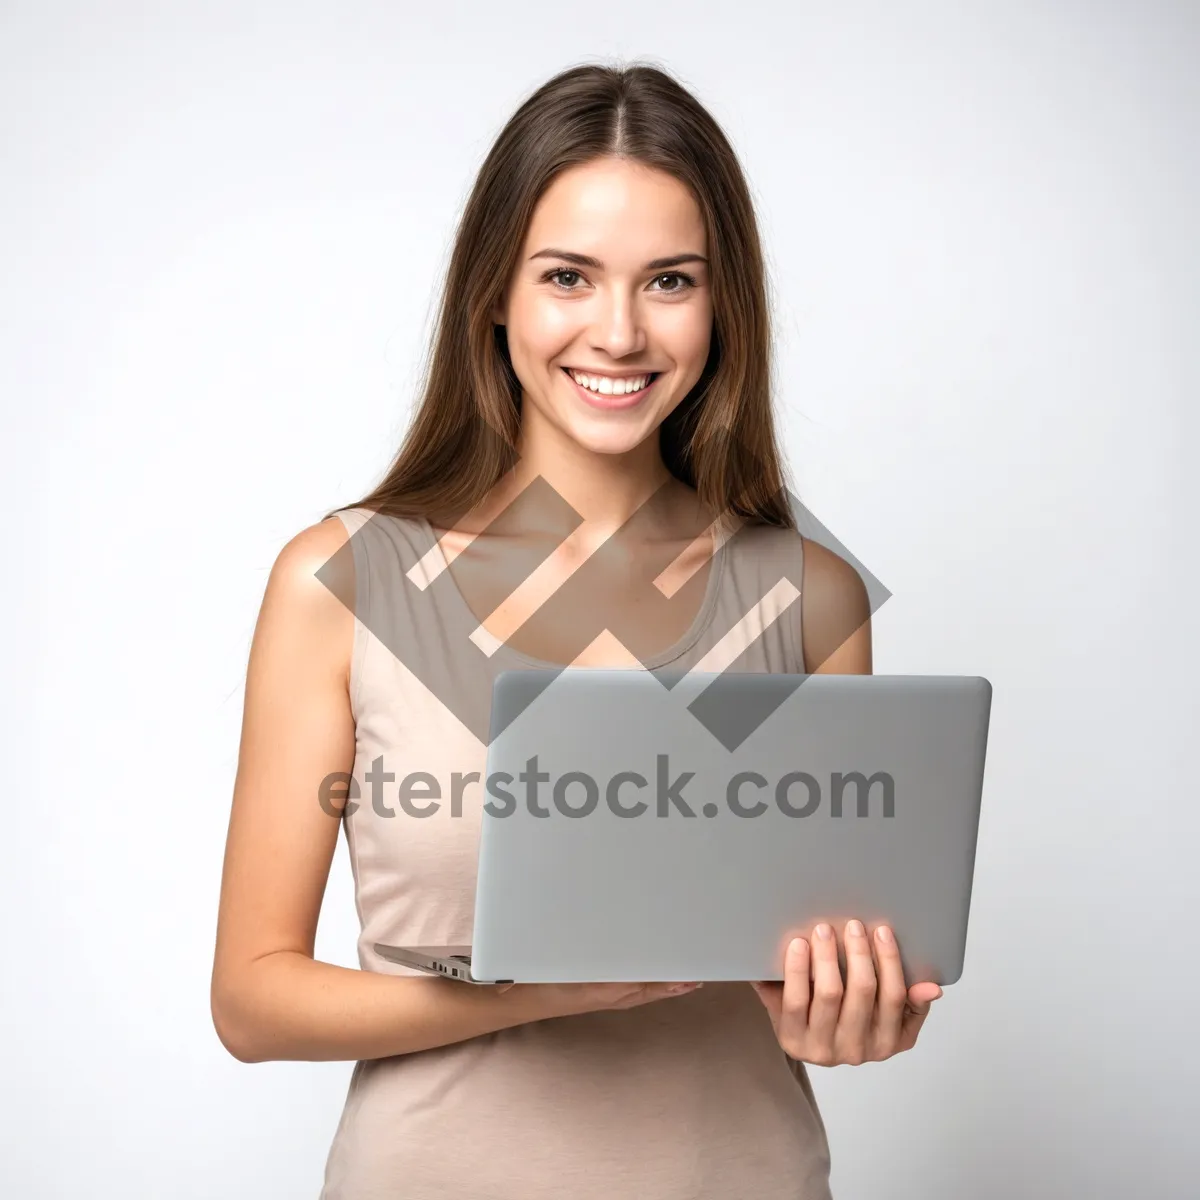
pixel 618 328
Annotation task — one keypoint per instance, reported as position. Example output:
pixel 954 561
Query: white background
pixel 222 231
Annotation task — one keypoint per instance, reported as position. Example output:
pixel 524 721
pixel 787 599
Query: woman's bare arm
pixel 270 998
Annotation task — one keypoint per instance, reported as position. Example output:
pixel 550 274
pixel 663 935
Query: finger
pixel 630 995
pixel 826 989
pixel 663 991
pixel 854 1027
pixel 924 993
pixel 916 1008
pixel 794 997
pixel 892 994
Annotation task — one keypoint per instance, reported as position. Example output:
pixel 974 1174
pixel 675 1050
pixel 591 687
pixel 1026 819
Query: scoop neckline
pixel 700 621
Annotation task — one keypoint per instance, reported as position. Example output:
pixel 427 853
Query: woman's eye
pixel 558 275
pixel 683 281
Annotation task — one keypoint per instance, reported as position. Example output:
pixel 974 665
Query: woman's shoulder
pixel 834 609
pixel 311 584
pixel 310 576
pixel 810 563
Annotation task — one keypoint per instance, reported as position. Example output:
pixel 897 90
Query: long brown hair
pixel 721 438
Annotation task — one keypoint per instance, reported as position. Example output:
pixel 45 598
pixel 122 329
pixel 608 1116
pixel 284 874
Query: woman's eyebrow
pixel 584 260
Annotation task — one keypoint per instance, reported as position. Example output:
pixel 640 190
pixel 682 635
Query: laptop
pixel 643 825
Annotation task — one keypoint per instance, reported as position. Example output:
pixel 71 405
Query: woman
pixel 598 393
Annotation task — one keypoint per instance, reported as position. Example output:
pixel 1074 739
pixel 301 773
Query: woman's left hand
pixel 869 1019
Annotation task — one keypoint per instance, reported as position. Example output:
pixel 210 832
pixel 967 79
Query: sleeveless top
pixel 687 1097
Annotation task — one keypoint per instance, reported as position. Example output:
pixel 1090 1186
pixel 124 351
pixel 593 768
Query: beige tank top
pixel 690 1097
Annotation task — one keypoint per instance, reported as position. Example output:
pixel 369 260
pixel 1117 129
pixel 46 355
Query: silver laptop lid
pixel 639 831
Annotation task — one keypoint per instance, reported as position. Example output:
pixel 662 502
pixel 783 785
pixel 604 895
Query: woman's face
pixel 611 292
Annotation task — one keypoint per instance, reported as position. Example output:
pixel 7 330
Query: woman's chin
pixel 600 433
pixel 608 440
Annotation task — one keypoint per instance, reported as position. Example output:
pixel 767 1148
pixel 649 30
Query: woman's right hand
pixel 571 999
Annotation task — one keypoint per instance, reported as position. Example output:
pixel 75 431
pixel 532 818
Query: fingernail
pixel 855 929
pixel 823 932
pixel 884 934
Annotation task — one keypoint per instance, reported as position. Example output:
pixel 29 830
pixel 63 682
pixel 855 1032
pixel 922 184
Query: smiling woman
pixel 610 233
pixel 591 478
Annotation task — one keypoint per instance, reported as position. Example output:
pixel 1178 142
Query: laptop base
pixel 454 962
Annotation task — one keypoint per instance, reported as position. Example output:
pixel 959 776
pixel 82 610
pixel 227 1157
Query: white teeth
pixel 607 386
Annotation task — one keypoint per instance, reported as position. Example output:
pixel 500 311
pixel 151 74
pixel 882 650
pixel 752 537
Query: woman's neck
pixel 606 490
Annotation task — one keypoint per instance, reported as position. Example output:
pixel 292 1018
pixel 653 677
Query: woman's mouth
pixel 609 391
